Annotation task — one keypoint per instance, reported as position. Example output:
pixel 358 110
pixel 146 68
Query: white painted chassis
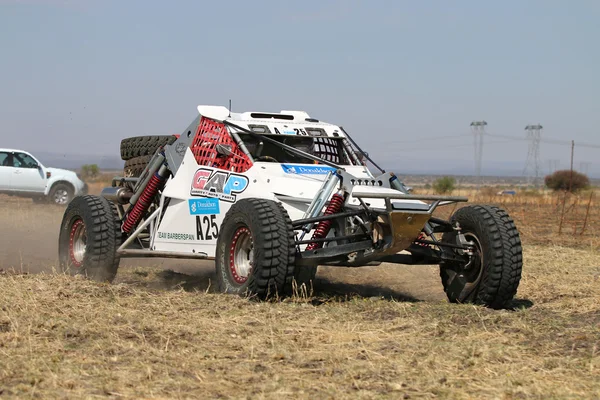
pixel 266 180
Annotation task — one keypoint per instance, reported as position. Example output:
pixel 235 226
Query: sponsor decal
pixel 222 185
pixel 206 227
pixel 176 236
pixel 204 206
pixel 306 169
pixel 180 148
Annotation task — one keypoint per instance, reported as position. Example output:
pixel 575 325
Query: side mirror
pixel 224 150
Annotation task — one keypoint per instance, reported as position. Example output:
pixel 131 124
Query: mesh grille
pixel 327 149
pixel 211 133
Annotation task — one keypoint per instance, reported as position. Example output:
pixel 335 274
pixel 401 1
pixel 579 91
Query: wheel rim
pixel 61 196
pixel 241 255
pixel 77 243
pixel 473 270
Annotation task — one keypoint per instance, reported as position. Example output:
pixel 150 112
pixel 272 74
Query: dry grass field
pixel 378 332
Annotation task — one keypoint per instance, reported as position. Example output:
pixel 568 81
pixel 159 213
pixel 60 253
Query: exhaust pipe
pixel 120 195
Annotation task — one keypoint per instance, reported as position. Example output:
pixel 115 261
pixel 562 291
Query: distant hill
pixel 75 161
pixel 401 166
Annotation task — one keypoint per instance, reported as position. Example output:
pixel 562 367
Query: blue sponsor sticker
pixel 204 206
pixel 306 169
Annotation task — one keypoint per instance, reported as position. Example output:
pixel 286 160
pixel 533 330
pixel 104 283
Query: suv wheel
pixel 61 194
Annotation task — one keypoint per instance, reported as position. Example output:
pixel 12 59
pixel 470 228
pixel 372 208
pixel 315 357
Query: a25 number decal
pixel 206 227
pixel 300 132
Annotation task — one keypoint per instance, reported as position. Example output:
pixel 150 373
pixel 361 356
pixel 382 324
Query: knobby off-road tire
pixel 89 237
pixel 256 250
pixel 135 166
pixel 138 146
pixel 494 276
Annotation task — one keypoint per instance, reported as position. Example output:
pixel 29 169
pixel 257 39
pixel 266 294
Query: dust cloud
pixel 29 244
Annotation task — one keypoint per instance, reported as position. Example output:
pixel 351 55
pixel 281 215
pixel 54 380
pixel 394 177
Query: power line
pixel 549 141
pixel 427 146
pixel 545 140
pixel 422 139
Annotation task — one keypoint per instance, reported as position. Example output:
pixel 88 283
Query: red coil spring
pixel 140 208
pixel 322 229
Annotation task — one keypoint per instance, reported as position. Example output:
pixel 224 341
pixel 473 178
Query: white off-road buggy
pixel 269 197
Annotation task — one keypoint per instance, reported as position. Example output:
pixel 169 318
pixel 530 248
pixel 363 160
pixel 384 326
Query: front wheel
pixel 61 194
pixel 492 275
pixel 90 235
pixel 256 250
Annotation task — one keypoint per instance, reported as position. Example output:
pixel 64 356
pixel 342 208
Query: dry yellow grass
pixel 62 337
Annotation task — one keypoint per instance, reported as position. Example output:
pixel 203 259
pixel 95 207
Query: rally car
pixel 270 197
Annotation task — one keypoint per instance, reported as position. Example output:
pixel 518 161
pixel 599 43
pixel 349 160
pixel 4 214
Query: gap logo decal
pixel 222 185
pixel 306 169
pixel 204 206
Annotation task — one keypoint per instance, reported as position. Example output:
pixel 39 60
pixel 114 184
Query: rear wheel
pixel 139 146
pixel 256 250
pixel 492 275
pixel 89 237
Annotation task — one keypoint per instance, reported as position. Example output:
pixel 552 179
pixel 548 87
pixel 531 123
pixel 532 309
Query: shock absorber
pixel 141 206
pixel 322 229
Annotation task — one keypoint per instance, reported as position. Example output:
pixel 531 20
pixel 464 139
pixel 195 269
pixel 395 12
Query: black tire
pixel 135 166
pixel 61 194
pixel 138 146
pixel 95 221
pixel 493 278
pixel 271 239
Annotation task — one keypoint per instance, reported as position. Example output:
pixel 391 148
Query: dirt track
pixel 29 237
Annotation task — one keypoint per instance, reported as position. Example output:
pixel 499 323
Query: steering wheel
pixel 266 158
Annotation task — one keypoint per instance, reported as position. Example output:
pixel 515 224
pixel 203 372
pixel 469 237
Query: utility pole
pixel 572 154
pixel 478 129
pixel 532 165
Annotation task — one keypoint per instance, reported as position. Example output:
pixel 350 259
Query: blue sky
pixel 76 76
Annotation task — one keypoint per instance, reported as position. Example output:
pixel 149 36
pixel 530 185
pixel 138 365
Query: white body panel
pixel 28 180
pixel 5 176
pixel 193 218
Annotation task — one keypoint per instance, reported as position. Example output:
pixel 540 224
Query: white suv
pixel 22 175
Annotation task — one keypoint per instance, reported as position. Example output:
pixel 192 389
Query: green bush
pixel 561 180
pixel 444 185
pixel 89 171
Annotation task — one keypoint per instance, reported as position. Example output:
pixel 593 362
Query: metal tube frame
pixel 283 146
pixel 140 229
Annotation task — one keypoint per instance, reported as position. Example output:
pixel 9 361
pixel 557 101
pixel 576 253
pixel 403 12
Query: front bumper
pixel 394 230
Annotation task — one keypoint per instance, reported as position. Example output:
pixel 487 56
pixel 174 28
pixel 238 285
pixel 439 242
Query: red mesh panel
pixel 211 133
